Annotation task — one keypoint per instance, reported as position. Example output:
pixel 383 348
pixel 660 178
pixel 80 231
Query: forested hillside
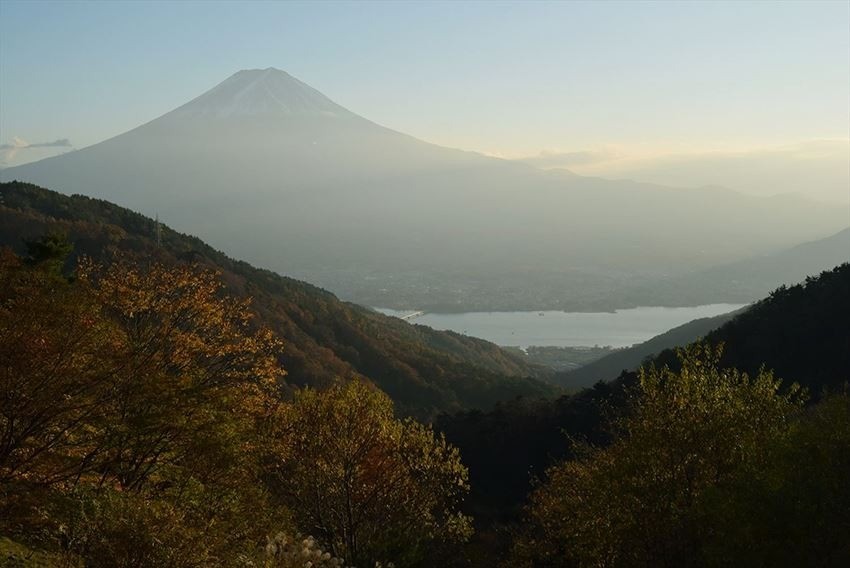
pixel 423 370
pixel 142 424
pixel 799 332
pixel 706 466
pixel 795 320
pixel 610 366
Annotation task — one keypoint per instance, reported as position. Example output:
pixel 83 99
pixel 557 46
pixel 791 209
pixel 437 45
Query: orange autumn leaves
pixel 132 415
pixel 110 375
pixel 57 374
pixel 142 423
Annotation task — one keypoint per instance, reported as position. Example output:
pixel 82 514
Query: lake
pixel 621 328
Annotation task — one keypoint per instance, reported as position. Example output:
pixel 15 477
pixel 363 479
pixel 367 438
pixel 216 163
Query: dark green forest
pixel 163 405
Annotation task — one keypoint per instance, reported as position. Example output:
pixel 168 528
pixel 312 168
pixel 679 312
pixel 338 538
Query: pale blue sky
pixel 504 78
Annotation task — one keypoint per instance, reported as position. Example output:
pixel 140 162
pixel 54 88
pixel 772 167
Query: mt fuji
pixel 261 92
pixel 269 169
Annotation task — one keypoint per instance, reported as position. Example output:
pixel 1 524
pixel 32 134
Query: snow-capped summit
pixel 267 91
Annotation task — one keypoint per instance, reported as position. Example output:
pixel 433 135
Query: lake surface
pixel 622 328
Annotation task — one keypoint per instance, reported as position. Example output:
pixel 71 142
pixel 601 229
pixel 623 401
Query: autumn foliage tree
pixel 142 423
pixel 189 363
pixel 58 371
pixel 637 502
pixel 133 402
pixel 370 486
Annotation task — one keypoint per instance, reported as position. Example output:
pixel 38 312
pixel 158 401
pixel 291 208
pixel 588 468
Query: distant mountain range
pixel 268 169
pixel 425 371
pixel 746 280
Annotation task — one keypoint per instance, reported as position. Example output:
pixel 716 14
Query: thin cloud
pixel 819 169
pixel 549 159
pixel 18 144
pixel 19 151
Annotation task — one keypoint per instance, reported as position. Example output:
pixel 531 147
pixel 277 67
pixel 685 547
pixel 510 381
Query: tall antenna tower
pixel 158 232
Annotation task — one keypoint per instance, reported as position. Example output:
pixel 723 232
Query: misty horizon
pixel 760 170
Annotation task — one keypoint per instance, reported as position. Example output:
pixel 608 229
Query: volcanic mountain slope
pixel 425 371
pixel 268 169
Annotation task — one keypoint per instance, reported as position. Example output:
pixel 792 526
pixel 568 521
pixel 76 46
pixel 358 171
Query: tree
pixel 58 370
pixel 637 502
pixel 369 486
pixel 190 363
pixel 52 248
pixel 794 511
pixel 132 414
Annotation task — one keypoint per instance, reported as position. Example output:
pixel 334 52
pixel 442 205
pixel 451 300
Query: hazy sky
pixel 510 79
